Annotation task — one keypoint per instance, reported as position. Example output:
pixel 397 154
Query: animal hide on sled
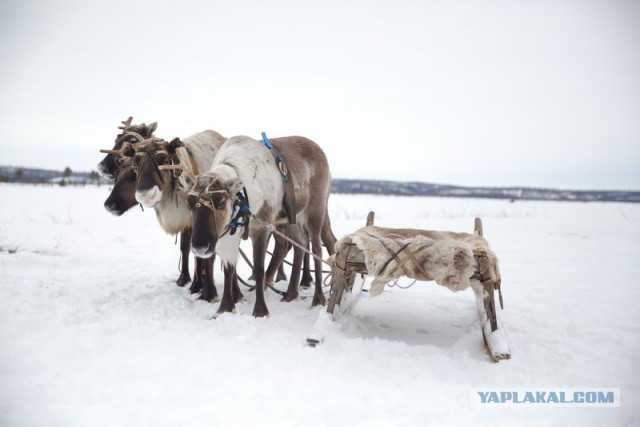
pixel 449 259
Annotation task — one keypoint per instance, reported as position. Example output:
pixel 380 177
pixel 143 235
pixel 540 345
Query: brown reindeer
pixel 131 134
pixel 244 178
pixel 118 166
pixel 123 194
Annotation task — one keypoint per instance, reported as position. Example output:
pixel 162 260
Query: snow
pixel 93 330
pixel 497 341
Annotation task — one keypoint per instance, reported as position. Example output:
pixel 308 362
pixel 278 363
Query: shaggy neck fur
pixel 173 211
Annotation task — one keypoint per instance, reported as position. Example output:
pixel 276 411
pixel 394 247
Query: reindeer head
pixel 131 134
pixel 148 157
pixel 212 202
pixel 123 194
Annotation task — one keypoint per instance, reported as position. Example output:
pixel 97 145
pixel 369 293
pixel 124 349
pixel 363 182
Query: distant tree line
pixel 357 186
pixel 50 177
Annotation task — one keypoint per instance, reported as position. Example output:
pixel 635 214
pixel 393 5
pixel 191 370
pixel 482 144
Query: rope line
pixel 396 284
pixel 273 229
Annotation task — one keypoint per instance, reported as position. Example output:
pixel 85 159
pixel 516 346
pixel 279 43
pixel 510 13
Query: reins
pixel 274 230
pixel 252 287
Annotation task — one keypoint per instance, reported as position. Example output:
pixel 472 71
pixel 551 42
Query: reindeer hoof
pixel 281 277
pixel 212 300
pixel 208 296
pixel 305 283
pixel 289 297
pixel 183 279
pixel 318 300
pixel 225 308
pixel 260 311
pixel 196 286
pixel 238 298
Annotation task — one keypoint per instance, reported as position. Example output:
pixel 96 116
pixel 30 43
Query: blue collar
pixel 242 215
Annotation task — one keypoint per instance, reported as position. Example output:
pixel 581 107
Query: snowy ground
pixel 93 330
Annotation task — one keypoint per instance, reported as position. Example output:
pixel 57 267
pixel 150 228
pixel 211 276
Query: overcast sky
pixel 499 93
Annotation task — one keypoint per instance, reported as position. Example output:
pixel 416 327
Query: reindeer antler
pixel 119 152
pixel 126 124
pixel 135 146
pixel 136 136
pixel 178 167
pixel 208 189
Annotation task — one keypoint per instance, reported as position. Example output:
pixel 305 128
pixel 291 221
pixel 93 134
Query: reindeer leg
pixel 260 241
pixel 292 290
pixel 318 296
pixel 279 252
pixel 185 248
pixel 328 238
pixel 196 285
pixel 237 294
pixel 282 276
pixel 227 305
pixel 306 272
pixel 209 292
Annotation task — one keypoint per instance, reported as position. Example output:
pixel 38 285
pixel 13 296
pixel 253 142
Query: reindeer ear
pixel 235 186
pixel 175 144
pixel 152 128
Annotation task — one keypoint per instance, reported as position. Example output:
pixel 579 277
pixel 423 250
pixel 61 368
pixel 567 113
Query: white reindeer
pixel 244 178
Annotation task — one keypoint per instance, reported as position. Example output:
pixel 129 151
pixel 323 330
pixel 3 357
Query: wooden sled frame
pixel 349 261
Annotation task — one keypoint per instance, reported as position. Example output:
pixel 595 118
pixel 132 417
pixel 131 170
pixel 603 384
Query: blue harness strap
pixel 279 158
pixel 289 194
pixel 243 215
pixel 266 141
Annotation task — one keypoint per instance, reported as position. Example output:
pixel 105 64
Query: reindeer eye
pixel 192 201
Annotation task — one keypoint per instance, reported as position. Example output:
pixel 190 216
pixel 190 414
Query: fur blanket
pixel 445 257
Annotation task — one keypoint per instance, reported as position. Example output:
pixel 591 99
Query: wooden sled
pixel 454 260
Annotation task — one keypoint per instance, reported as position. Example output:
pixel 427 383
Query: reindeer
pixel 244 181
pixel 118 164
pixel 122 196
pixel 162 190
pixel 173 218
pixel 131 134
pixel 119 167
